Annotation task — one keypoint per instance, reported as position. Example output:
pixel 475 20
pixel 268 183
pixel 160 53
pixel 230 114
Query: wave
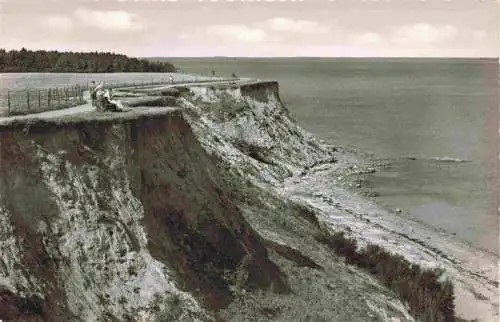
pixel 448 159
pixel 440 159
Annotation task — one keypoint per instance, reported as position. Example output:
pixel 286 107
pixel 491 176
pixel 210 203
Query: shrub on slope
pixel 429 299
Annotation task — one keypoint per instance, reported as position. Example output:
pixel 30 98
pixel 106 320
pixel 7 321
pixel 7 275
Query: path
pixel 85 108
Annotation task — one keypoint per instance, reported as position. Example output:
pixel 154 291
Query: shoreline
pixel 473 271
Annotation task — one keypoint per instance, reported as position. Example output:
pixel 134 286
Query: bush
pixel 429 300
pixel 342 246
pixel 307 214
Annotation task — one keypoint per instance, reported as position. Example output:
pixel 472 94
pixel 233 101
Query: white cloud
pixel 296 26
pixel 108 20
pixel 424 33
pixel 58 22
pixel 275 30
pixel 367 38
pixel 240 33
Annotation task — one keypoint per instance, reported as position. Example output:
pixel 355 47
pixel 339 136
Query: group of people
pixel 102 98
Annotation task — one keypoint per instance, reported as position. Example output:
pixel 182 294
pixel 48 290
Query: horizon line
pixel 342 57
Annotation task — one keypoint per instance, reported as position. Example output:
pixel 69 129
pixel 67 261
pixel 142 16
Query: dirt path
pixel 85 108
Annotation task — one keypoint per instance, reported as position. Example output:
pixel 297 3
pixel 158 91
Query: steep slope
pixel 259 146
pixel 115 218
pixel 251 119
pixel 258 143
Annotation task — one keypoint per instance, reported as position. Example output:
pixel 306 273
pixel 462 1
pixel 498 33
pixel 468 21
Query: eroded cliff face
pixel 251 120
pixel 117 219
pixel 163 214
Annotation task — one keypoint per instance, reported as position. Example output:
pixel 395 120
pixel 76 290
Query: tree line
pixel 19 61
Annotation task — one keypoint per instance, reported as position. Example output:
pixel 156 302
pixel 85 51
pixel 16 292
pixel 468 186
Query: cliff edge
pixel 175 210
pixel 101 216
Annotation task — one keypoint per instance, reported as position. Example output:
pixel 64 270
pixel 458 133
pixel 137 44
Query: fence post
pixel 8 101
pixel 48 99
pixel 39 100
pixel 28 98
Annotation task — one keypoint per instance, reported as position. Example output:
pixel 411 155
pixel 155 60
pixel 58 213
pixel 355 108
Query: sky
pixel 255 28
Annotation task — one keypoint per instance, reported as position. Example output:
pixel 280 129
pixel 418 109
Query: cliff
pixel 171 213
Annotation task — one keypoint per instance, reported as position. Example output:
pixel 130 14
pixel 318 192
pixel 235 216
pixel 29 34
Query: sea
pixel 432 122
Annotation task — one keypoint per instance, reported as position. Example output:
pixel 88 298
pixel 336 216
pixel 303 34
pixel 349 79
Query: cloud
pixel 108 20
pixel 58 22
pixel 273 30
pixel 424 33
pixel 281 24
pixel 367 38
pixel 241 33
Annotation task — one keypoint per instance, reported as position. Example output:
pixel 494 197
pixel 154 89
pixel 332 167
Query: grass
pixel 25 111
pixel 429 299
pixel 32 101
pixel 306 213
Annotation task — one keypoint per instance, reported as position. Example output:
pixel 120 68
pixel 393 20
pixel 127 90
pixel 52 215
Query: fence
pixel 29 101
pixel 39 100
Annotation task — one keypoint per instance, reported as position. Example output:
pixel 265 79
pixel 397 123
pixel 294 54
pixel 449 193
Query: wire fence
pixel 28 101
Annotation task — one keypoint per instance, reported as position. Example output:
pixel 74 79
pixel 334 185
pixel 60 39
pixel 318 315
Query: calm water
pixel 393 108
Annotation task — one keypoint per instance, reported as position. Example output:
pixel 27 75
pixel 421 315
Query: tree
pixel 77 62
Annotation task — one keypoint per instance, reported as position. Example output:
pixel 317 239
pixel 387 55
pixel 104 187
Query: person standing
pixel 97 93
pixel 94 93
